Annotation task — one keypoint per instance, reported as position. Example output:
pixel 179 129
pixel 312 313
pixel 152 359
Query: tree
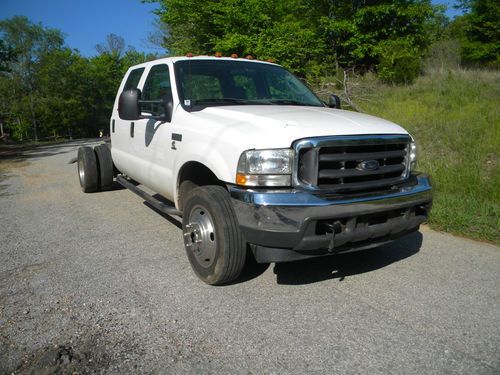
pixel 387 36
pixel 307 36
pixel 114 45
pixel 66 93
pixel 29 41
pixel 7 56
pixel 481 39
pixel 106 72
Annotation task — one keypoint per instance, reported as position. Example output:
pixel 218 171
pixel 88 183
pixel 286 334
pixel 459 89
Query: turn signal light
pixel 241 179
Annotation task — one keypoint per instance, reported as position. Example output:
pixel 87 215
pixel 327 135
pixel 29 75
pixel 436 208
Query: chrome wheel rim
pixel 199 236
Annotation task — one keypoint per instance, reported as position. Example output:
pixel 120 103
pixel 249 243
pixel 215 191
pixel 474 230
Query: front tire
pixel 87 169
pixel 212 237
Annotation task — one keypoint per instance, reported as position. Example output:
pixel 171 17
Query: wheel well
pixel 195 174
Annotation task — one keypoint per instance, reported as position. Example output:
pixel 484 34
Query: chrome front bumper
pixel 284 225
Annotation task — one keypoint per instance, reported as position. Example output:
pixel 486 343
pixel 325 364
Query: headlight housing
pixel 413 155
pixel 265 168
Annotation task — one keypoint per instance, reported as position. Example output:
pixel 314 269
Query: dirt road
pixel 100 283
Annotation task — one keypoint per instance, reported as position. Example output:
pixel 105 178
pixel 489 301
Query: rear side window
pixel 133 79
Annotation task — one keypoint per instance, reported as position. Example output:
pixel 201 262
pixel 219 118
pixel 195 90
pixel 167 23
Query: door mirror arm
pixel 130 103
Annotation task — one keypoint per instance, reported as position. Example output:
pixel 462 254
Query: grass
pixel 454 116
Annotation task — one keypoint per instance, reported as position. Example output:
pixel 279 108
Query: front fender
pixel 222 165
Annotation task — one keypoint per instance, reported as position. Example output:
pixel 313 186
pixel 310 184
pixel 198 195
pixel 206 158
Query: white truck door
pixel 122 130
pixel 152 138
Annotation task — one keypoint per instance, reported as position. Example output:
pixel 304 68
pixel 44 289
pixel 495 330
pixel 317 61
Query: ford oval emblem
pixel 368 165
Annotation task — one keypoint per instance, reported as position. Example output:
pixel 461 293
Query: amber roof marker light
pixel 234 55
pixel 189 54
pixel 218 54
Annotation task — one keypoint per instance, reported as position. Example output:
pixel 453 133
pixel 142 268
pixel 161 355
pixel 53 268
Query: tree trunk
pixel 33 118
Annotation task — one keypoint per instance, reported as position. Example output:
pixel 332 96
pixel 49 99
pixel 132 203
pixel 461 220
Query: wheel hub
pixel 199 236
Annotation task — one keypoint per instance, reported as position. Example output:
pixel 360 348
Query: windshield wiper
pixel 288 102
pixel 221 101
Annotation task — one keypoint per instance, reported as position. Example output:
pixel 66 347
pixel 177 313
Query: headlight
pixel 413 155
pixel 265 168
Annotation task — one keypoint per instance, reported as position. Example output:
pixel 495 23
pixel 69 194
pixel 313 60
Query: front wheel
pixel 212 237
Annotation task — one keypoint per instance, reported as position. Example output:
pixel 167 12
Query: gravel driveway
pixel 100 283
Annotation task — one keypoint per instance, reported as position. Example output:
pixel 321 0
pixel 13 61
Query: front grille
pixel 352 163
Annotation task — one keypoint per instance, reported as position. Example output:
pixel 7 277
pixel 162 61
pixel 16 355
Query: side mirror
pixel 128 104
pixel 169 109
pixel 334 101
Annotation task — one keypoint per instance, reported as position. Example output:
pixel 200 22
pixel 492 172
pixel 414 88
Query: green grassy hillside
pixel 455 118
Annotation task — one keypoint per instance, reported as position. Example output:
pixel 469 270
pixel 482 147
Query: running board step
pixel 160 206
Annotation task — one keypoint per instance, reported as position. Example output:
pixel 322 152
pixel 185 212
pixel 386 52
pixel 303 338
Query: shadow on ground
pixel 23 152
pixel 324 268
pixel 344 265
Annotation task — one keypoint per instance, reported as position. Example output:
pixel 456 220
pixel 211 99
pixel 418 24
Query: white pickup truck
pixel 255 163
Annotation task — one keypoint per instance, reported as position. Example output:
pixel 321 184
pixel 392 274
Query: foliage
pixel 399 61
pixel 284 30
pixel 49 90
pixel 453 115
pixel 29 41
pixel 7 55
pixel 481 42
pixel 309 37
pixel 359 37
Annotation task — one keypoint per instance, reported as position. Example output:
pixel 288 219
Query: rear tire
pixel 87 169
pixel 212 237
pixel 105 163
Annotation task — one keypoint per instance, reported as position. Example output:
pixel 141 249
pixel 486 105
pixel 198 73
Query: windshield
pixel 207 83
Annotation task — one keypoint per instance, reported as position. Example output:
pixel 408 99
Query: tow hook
pixel 334 228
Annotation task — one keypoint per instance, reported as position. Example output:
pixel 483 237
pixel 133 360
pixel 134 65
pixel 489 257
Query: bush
pixel 443 55
pixel 399 62
pixel 453 115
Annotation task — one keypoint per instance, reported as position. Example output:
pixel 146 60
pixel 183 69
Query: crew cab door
pixel 122 131
pixel 152 139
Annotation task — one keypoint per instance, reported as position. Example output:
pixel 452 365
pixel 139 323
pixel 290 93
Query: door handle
pixel 132 130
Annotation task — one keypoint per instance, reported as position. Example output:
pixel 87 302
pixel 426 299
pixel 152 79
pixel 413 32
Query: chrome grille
pixel 351 163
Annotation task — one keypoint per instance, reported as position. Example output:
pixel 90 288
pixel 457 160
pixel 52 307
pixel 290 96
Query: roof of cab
pixel 182 58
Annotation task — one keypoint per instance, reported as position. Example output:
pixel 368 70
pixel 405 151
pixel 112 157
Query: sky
pixel 86 23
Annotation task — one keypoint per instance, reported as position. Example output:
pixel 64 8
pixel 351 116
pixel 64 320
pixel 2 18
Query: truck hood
pixel 278 126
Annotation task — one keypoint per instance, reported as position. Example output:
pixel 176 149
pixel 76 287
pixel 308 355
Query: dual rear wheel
pixel 95 168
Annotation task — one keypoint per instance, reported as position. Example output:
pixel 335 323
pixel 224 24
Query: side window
pixel 133 79
pixel 157 85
